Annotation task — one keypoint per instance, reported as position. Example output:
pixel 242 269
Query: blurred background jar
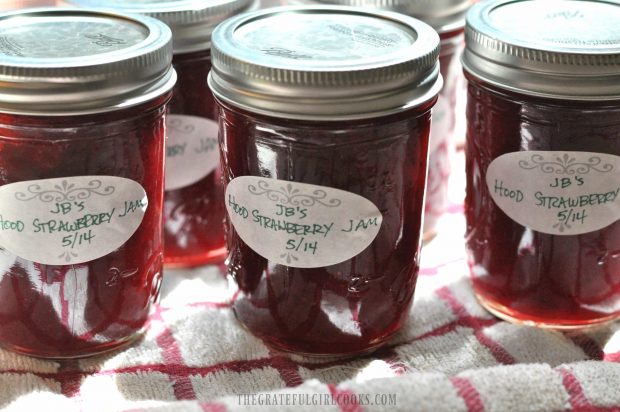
pixel 543 160
pixel 20 4
pixel 193 203
pixel 447 17
pixel 82 109
pixel 325 116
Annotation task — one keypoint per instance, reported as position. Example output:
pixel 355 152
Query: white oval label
pixel 298 224
pixel 69 220
pixel 192 151
pixel 556 192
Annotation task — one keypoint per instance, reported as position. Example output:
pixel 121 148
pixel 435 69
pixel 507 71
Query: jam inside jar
pixel 358 304
pixel 543 162
pixel 528 275
pixel 81 179
pixel 193 200
pixel 74 310
pixel 324 177
pixel 193 214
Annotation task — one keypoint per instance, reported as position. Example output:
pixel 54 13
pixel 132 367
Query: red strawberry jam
pixel 76 286
pixel 543 140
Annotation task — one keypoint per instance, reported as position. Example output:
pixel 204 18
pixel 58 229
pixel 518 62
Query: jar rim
pixel 443 15
pixel 376 64
pixel 192 21
pixel 88 61
pixel 548 60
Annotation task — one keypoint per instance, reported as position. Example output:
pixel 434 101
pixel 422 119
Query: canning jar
pixel 194 200
pixel 324 124
pixel 543 160
pixel 81 178
pixel 447 17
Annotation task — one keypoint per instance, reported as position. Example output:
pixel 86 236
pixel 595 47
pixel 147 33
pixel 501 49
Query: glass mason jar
pixel 447 17
pixel 543 160
pixel 194 200
pixel 324 125
pixel 82 108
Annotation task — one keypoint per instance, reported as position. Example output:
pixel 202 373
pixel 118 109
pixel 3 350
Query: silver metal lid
pixel 191 21
pixel 68 61
pixel 443 15
pixel 552 48
pixel 324 62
